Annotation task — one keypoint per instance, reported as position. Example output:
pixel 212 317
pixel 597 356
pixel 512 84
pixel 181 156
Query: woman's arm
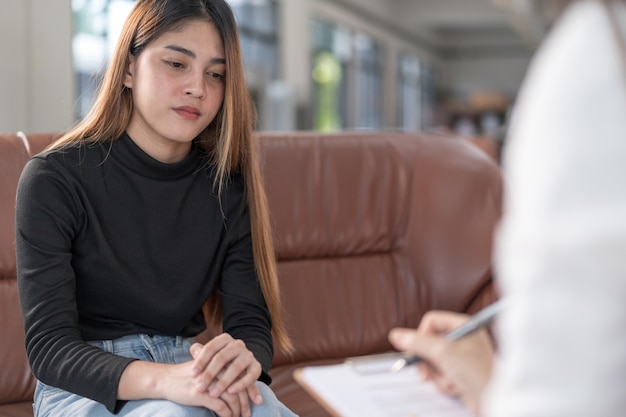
pixel 233 361
pixel 148 380
pixel 47 219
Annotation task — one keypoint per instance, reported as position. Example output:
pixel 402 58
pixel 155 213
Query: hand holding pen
pixel 475 322
pixel 457 355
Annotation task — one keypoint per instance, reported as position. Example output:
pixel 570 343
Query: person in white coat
pixel 560 249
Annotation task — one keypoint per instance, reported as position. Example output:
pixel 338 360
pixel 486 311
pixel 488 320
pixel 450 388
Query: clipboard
pixel 364 387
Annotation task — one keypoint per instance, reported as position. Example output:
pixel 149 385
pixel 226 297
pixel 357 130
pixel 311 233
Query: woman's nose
pixel 196 86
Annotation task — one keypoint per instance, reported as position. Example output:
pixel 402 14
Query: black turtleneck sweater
pixel 111 242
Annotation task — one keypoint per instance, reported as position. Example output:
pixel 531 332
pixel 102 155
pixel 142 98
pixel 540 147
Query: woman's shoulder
pixel 64 161
pixel 73 154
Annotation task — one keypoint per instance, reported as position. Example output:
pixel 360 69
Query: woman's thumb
pixel 195 350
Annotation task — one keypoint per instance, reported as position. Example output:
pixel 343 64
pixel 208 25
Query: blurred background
pixel 325 65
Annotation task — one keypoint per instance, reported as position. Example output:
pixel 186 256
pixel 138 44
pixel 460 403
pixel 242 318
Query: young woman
pixel 148 208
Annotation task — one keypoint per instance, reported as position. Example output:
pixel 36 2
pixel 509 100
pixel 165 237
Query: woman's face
pixel 177 84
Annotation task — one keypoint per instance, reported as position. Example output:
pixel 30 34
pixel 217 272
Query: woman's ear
pixel 130 71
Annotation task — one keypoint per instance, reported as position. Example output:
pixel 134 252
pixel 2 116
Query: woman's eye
pixel 215 75
pixel 174 64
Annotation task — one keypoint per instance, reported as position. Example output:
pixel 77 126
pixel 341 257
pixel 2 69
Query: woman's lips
pixel 188 112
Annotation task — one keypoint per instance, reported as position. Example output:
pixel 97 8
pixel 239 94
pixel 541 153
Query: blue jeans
pixel 54 402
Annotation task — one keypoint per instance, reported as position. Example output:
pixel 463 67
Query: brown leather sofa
pixel 371 231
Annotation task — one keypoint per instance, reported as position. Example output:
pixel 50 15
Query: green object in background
pixel 327 75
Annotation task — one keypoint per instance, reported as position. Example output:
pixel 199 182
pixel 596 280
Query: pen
pixel 477 321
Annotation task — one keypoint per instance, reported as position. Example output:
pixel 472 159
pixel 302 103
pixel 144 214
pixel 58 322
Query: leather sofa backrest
pixel 374 229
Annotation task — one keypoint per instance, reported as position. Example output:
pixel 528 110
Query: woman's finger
pixel 251 390
pixel 228 364
pixel 241 372
pixel 233 403
pixel 244 404
pixel 204 354
pixel 254 394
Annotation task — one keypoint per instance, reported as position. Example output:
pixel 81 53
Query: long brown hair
pixel 228 140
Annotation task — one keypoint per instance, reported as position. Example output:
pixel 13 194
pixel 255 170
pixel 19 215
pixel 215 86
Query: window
pixel 409 94
pixel 347 79
pixel 258 24
pixel 368 74
pixel 97 24
pixel 415 94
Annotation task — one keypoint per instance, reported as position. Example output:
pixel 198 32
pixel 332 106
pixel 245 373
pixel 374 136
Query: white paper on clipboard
pixel 346 390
